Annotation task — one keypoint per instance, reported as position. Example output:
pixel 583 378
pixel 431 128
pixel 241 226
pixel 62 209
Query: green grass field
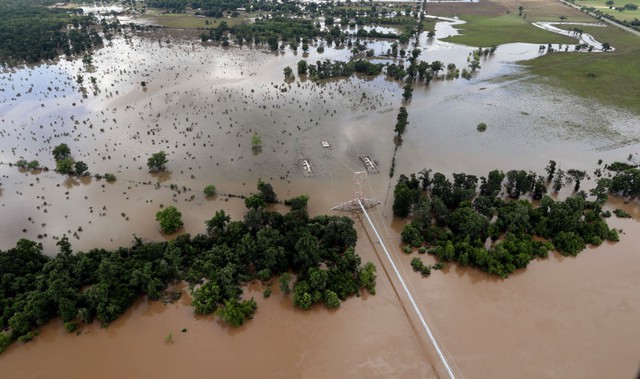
pixel 626 15
pixel 507 28
pixel 612 78
pixel 186 20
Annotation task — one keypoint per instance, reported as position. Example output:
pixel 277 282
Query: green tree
pixel 210 190
pixel 234 312
pixel 157 162
pixel 170 219
pixel 218 223
pixel 303 300
pixel 80 168
pixel 302 67
pixel 206 298
pixel 288 73
pixel 256 142
pixel 284 280
pixel 61 152
pixel 255 201
pixel 331 299
pixel 551 170
pixel 403 199
pixel 267 192
pixel 65 166
pixel 367 277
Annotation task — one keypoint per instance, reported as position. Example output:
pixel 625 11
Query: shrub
pixel 267 292
pixel 235 313
pixel 70 326
pixel 482 127
pixel 5 340
pixel 110 177
pixel 621 213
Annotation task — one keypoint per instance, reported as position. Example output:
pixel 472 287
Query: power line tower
pixel 353 205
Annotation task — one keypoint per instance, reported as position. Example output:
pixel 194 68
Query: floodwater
pixel 561 317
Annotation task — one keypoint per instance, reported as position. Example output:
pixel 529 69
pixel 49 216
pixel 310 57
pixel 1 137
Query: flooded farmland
pixel 561 317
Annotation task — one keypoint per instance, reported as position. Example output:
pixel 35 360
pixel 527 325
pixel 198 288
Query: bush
pixel 70 326
pixel 267 292
pixel 210 190
pixel 407 249
pixel 482 127
pixel 5 341
pixel 110 177
pixel 235 313
pixel 621 213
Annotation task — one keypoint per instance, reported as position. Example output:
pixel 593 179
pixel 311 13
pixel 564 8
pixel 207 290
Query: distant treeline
pixel 31 32
pixel 331 69
pixel 102 284
pixel 453 219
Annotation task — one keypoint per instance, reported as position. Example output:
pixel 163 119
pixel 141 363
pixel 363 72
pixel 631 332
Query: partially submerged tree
pixel 157 162
pixel 170 219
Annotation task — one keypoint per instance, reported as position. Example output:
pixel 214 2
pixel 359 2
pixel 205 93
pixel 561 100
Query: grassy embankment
pixel 626 15
pixel 611 78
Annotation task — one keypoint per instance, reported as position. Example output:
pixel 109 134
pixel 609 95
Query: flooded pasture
pixel 201 103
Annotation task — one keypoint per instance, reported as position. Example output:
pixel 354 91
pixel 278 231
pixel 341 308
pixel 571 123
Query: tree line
pixel 30 32
pixel 101 284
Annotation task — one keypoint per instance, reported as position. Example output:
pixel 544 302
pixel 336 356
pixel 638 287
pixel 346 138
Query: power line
pixel 406 290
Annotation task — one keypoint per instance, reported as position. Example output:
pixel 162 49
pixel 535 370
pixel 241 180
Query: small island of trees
pixel 456 219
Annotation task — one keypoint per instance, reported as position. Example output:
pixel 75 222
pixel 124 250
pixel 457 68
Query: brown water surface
pixel 559 318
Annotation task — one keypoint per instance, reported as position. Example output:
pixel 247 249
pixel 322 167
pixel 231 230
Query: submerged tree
pixel 157 162
pixel 170 219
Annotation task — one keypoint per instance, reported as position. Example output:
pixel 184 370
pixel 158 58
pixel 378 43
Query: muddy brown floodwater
pixel 559 318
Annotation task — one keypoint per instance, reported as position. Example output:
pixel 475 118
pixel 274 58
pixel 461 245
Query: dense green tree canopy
pixel 457 222
pixel 102 284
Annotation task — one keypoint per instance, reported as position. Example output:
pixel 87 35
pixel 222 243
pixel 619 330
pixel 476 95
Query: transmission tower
pixel 358 195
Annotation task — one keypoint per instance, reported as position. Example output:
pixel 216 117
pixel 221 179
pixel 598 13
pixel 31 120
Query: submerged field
pixel 201 103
